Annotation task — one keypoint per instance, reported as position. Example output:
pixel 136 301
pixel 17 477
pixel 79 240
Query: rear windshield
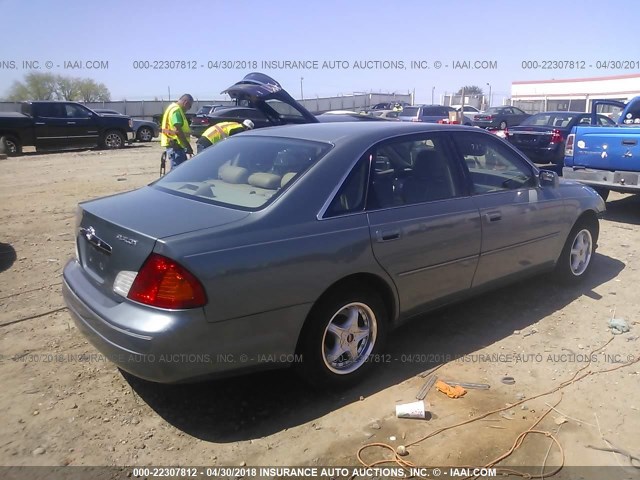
pixel 433 111
pixel 244 171
pixel 549 120
pixel 204 110
pixel 410 111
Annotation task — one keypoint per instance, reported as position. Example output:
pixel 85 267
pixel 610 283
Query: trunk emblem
pixel 127 240
pixel 90 234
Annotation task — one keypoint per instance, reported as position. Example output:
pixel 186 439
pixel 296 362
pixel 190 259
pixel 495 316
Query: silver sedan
pixel 304 245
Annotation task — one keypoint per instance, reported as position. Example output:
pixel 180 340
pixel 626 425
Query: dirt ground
pixel 63 405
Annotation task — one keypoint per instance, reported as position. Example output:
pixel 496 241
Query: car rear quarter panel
pixel 283 255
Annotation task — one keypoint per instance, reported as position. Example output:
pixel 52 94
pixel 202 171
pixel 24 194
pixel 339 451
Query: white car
pixel 469 111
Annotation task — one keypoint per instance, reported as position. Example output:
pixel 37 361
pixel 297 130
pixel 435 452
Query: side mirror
pixel 548 178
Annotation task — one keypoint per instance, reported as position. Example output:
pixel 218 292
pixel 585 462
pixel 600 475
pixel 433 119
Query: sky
pixel 368 46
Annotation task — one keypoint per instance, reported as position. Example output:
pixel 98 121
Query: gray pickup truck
pixel 61 125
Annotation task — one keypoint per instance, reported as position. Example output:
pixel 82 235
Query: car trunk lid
pixel 258 89
pixel 118 233
pixel 532 137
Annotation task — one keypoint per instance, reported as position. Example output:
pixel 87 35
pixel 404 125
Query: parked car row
pixel 144 130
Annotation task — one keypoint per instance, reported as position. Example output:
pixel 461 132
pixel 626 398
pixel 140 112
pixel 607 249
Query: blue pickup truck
pixel 606 158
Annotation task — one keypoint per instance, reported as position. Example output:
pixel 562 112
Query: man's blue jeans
pixel 176 156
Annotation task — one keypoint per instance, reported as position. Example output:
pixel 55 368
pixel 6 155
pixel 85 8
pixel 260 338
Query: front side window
pixel 76 111
pixel 493 166
pixel 244 171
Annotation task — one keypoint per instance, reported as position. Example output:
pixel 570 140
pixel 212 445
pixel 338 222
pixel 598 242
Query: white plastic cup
pixel 411 410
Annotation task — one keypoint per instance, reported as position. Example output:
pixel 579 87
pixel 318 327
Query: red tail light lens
pixel 556 136
pixel 163 283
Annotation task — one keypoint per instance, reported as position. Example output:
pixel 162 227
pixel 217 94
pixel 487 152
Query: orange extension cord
pixel 398 460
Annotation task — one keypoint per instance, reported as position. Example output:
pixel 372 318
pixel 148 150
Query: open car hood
pixel 258 88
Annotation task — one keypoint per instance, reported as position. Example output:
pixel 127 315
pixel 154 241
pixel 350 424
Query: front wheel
pixel 503 125
pixel 344 331
pixel 145 134
pixel 113 139
pixel 576 257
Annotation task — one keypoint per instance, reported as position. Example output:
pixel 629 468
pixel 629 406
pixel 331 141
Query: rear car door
pixel 50 125
pixel 521 222
pixel 424 227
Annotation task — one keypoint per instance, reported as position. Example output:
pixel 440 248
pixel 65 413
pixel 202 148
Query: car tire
pixel 577 254
pixel 13 147
pixel 113 139
pixel 344 323
pixel 603 192
pixel 144 134
pixel 503 125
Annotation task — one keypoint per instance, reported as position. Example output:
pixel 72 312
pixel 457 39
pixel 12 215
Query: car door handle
pixel 629 142
pixel 71 123
pixel 493 216
pixel 387 236
pixel 39 123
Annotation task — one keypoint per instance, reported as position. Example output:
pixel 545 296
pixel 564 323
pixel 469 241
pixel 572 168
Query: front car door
pixel 82 128
pixel 425 228
pixel 521 221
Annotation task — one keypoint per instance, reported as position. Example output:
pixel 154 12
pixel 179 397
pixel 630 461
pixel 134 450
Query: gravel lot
pixel 63 405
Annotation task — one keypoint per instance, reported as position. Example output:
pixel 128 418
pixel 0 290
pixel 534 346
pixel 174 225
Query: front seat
pixel 430 179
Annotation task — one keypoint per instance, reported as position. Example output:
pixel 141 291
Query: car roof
pixel 344 132
pixel 561 112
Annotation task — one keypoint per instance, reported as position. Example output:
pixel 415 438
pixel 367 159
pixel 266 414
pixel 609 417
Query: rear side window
pixel 351 196
pixel 493 166
pixel 414 171
pixel 52 110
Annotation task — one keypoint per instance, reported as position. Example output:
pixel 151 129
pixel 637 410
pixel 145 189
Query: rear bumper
pixel 618 181
pixel 542 155
pixel 170 346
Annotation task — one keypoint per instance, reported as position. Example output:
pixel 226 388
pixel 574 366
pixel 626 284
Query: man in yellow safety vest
pixel 174 133
pixel 220 131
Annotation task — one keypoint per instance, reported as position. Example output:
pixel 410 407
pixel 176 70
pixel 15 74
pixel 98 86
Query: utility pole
pixel 301 93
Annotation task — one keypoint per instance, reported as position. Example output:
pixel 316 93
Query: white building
pixel 573 94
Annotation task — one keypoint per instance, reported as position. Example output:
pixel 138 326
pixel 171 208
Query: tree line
pixel 47 86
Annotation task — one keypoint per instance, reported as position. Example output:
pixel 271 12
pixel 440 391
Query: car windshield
pixel 246 171
pixel 410 111
pixel 493 110
pixel 549 120
pixel 204 110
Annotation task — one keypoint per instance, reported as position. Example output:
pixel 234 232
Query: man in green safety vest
pixel 174 133
pixel 220 131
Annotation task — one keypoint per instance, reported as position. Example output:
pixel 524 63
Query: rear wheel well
pixel 368 281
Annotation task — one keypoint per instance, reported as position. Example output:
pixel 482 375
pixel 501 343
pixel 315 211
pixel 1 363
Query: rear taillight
pixel 163 283
pixel 568 147
pixel 489 117
pixel 556 136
